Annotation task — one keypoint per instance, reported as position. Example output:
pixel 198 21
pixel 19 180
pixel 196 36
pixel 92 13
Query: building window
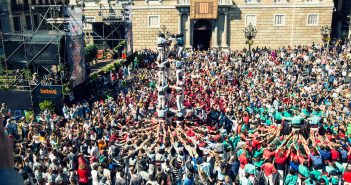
pixel 250 19
pixel 279 20
pixel 153 21
pixel 28 22
pixel 89 18
pixel 312 19
pixel 281 1
pixel 252 1
pixel 157 1
pixel 313 1
pixel 17 23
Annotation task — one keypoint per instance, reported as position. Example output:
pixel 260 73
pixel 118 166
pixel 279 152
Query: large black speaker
pixel 16 99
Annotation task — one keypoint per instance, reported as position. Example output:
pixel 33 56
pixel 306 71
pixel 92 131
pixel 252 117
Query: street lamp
pixel 325 32
pixel 250 33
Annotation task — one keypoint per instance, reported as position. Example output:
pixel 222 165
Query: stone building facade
pixel 278 22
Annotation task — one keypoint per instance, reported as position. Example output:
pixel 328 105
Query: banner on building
pixel 129 31
pixel 203 9
pixel 75 46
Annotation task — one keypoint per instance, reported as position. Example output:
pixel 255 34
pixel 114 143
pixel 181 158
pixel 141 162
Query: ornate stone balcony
pixel 220 2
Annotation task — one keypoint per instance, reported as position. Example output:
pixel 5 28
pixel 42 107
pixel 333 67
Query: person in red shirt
pixel 269 169
pixel 347 176
pixel 243 161
pixel 280 160
pixel 268 153
pixel 246 118
pixel 256 143
pixel 334 154
pixel 83 173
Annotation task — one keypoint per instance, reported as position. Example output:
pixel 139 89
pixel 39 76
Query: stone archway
pixel 202 33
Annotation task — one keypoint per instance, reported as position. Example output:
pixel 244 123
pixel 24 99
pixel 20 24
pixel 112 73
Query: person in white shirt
pixel 161 71
pixel 107 173
pixel 180 92
pixel 179 68
pixel 95 174
pixel 161 96
pixel 168 46
pixel 161 41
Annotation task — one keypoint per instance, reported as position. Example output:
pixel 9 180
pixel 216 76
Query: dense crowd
pixel 210 117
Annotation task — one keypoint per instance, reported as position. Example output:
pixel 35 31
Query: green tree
pixel 46 104
pixel 90 52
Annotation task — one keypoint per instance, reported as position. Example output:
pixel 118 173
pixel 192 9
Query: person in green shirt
pixel 311 180
pixel 286 114
pixel 296 121
pixel 316 174
pixel 349 129
pixel 152 85
pixel 303 170
pixel 136 63
pixel 278 116
pixel 291 178
pixel 334 180
pixel 305 112
pixel 324 179
pixel 234 140
pixel 250 169
pixel 339 167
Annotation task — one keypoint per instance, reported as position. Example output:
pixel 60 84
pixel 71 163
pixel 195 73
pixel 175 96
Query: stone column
pixel 225 31
pixel 215 35
pixel 188 32
pixel 180 22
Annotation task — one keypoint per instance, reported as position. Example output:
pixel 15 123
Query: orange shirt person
pixel 102 144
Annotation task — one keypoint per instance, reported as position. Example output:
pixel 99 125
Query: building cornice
pixel 152 7
pixel 290 5
pixel 248 6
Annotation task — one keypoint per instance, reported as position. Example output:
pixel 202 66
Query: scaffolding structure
pixel 54 18
pixel 114 18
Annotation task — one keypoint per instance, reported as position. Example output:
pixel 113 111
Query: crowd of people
pixel 260 117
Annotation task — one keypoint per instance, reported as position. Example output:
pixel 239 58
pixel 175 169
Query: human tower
pixel 164 86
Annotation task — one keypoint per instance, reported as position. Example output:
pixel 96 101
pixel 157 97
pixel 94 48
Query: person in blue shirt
pixel 189 180
pixel 325 153
pixel 317 161
pixel 234 169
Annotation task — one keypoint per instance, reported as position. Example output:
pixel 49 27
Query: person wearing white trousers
pixel 179 70
pixel 179 97
pixel 161 42
pixel 179 117
pixel 281 176
pixel 269 179
pixel 167 69
pixel 168 97
pixel 161 96
pixel 161 72
pixel 180 44
pixel 180 51
pixel 168 47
